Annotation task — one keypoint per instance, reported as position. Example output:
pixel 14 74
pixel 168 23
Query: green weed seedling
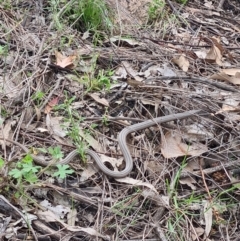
pixel 63 171
pixel 38 97
pixel 105 117
pixel 25 171
pixel 104 79
pixel 183 2
pixel 3 50
pixel 55 152
pixel 161 18
pixel 5 4
pixel 91 15
pixel 155 9
pixel 56 155
pixel 1 162
pixel 54 9
pixel 178 214
pixel 73 119
pixel 96 83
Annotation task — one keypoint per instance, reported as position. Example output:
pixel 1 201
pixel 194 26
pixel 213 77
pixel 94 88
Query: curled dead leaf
pixel 196 233
pixel 214 55
pixel 5 132
pixel 136 182
pixel 65 61
pixel 51 104
pixel 208 215
pixel 188 181
pixel 229 105
pixel 98 99
pixel 173 146
pixel 231 72
pixel 182 62
pixel 159 200
pixel 54 125
pixel 223 76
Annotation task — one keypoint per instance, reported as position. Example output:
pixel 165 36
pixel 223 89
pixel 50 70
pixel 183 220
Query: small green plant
pixel 38 97
pixel 89 15
pixel 25 171
pixel 63 171
pixel 104 79
pixel 1 162
pixel 159 17
pixel 3 50
pixel 72 127
pixel 3 113
pixel 66 41
pixel 105 120
pixel 182 1
pixel 100 82
pixel 5 4
pixel 55 152
pixel 155 10
pixel 54 8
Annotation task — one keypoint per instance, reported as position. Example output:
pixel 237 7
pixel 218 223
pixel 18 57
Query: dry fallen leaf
pixel 51 104
pixel 40 129
pixel 208 214
pixel 86 35
pixel 197 132
pixel 9 88
pixel 151 71
pixel 193 165
pixel 201 54
pixel 91 141
pixel 131 71
pixel 154 168
pixel 188 181
pixel 196 233
pixel 231 72
pixel 172 146
pixel 182 62
pixel 229 104
pixel 222 76
pixel 49 216
pixel 120 73
pixel 88 171
pixel 214 55
pixel 54 125
pixel 59 211
pixel 113 161
pixel 209 4
pixel 96 97
pixel 5 132
pixel 135 182
pixel 64 61
pixel 217 42
pixel 128 41
pixel 166 71
pixel 159 200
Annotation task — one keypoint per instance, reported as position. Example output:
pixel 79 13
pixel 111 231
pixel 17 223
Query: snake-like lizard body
pixel 122 143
